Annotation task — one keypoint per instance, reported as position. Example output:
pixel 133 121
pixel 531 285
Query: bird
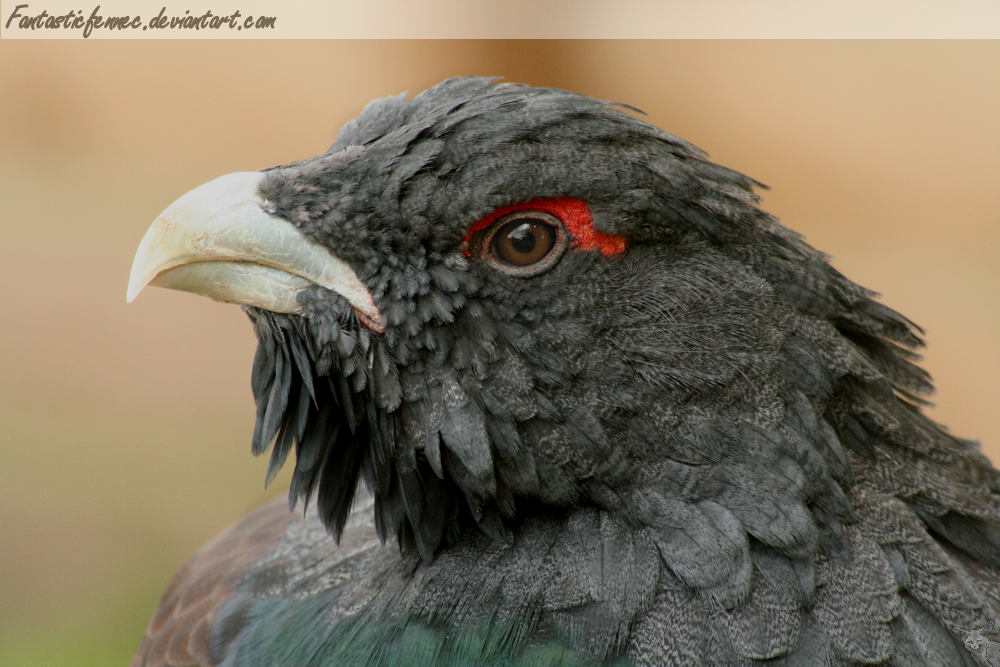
pixel 561 392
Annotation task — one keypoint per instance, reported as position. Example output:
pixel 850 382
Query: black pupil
pixel 524 241
pixel 521 238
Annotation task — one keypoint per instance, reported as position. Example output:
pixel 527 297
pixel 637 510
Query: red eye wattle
pixel 529 238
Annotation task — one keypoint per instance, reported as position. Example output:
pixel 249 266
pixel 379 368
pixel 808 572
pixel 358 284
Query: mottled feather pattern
pixel 705 450
pixel 182 632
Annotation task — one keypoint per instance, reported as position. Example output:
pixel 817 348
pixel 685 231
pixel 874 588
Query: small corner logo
pixel 985 651
pixel 28 22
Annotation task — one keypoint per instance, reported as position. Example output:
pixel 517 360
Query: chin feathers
pixel 327 386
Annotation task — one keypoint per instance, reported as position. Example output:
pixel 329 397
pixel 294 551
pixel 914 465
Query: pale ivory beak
pixel 217 241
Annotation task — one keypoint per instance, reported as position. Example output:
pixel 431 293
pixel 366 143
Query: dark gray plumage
pixel 688 441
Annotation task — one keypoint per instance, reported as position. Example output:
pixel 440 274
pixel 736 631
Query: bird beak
pixel 217 241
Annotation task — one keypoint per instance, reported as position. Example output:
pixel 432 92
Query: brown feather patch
pixel 178 634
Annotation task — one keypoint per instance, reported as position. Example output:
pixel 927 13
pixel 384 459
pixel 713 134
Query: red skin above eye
pixel 574 213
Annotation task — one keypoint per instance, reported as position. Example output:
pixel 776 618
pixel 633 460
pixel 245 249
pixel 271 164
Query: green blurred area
pixel 125 430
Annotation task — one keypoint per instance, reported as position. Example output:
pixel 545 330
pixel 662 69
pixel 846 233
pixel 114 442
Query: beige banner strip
pixel 250 19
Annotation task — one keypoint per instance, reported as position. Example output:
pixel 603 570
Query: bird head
pixel 491 301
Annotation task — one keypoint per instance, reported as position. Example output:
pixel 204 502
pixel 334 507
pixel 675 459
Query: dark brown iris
pixel 524 241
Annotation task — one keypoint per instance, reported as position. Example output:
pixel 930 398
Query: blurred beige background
pixel 124 430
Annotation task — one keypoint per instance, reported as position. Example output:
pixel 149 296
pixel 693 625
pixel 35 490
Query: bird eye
pixel 525 242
